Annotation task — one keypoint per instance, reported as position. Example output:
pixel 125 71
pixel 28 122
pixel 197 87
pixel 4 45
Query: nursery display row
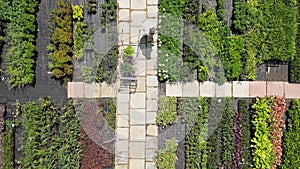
pixel 261 31
pixel 57 137
pixel 255 134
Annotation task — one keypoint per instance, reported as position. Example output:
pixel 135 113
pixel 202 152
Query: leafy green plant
pixel 202 73
pixel 166 157
pixel 92 6
pixel 7 144
pixel 48 127
pixel 262 146
pixel 291 146
pixel 87 73
pixel 244 110
pixel 195 112
pixel 166 111
pixel 108 13
pixel 20 59
pixel 77 12
pixel 62 38
pixel 128 51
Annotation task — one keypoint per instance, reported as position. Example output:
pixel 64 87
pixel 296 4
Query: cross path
pixel 136 131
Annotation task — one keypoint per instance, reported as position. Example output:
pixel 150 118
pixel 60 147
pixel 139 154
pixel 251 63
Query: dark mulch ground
pixel 98 142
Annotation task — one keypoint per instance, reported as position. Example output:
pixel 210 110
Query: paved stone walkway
pixel 244 89
pixel 136 143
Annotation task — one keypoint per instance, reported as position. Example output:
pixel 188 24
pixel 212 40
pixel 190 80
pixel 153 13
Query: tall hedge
pixel 291 141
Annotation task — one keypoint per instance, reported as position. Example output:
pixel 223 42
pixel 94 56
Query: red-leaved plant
pixel 277 111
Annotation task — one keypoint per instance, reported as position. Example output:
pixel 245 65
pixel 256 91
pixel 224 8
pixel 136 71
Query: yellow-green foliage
pixel 77 12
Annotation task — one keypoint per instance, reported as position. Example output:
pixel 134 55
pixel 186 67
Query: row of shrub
pixel 2 110
pixel 291 146
pixel 251 137
pixel 267 31
pixel 62 42
pixel 294 66
pixel 195 112
pixel 47 127
pixel 255 39
pixel 22 30
pixel 107 61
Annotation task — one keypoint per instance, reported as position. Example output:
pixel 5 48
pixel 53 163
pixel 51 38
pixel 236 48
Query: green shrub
pixel 291 141
pixel 7 144
pixel 47 127
pixel 77 12
pixel 261 143
pixel 128 51
pixel 244 109
pixel 166 157
pixel 195 112
pixel 62 38
pixel 20 59
pixel 166 114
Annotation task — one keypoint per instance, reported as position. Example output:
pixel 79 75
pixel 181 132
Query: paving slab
pixel 152 2
pixel 124 3
pixel 122 121
pixel 152 130
pixel 152 105
pixel 134 34
pixel 258 89
pixel 137 133
pixel 137 116
pixel 138 101
pixel 152 65
pixel 124 15
pixel 122 133
pixel 107 90
pixel 123 108
pixel 92 90
pixel 151 165
pixel 152 81
pixel 124 26
pixel 275 88
pixel 122 146
pixel 141 84
pixel 138 4
pixel 137 164
pixel 151 142
pixel 123 97
pixel 152 11
pixel 122 157
pixel 174 89
pixel 240 88
pixel 151 117
pixel 224 90
pixel 124 38
pixel 118 166
pixel 150 154
pixel 152 93
pixel 78 89
pixel 207 89
pixel 190 89
pixel 137 18
pixel 70 90
pixel 292 90
pixel 141 68
pixel 137 150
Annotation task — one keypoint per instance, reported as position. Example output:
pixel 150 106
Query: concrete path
pixel 244 89
pixel 136 143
